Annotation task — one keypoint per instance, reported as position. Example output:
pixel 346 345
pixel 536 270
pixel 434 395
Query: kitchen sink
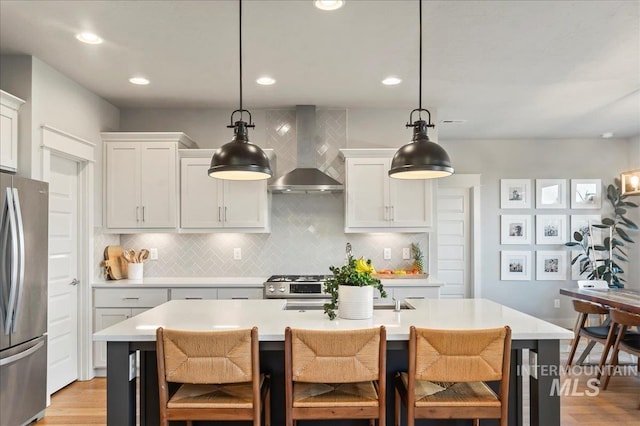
pixel 319 307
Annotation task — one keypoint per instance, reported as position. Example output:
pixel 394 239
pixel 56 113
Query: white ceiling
pixel 512 69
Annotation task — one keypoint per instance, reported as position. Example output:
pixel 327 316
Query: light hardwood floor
pixel 84 403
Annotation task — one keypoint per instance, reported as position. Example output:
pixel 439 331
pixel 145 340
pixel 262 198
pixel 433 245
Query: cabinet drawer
pixel 194 293
pixel 129 297
pixel 401 293
pixel 240 293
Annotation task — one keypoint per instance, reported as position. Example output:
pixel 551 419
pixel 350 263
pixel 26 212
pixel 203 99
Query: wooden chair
pixel 335 374
pixel 624 341
pixel 218 376
pixel 595 333
pixel 447 374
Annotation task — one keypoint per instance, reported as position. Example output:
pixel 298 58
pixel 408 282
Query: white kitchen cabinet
pixel 9 106
pixel 215 204
pixel 112 306
pixel 377 203
pixel 240 293
pixel 141 179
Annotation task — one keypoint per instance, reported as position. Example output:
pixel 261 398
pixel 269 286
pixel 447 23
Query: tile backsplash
pixel 307 236
pixel 307 231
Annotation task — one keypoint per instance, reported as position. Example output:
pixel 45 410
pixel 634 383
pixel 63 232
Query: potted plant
pixel 351 289
pixel 608 268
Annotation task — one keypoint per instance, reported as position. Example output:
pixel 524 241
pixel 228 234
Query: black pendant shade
pixel 240 159
pixel 421 158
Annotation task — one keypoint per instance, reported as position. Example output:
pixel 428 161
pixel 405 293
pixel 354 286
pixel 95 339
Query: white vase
pixel 355 302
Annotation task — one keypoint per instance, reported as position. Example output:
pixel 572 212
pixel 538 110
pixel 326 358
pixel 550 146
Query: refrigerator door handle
pixel 11 302
pixel 21 258
pixel 17 357
pixel 5 270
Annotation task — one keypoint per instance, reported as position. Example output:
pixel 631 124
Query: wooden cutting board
pixel 115 265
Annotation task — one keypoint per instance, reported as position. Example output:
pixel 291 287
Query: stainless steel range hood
pixel 305 178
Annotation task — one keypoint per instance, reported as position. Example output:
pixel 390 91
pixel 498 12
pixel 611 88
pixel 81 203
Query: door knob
pixel 74 282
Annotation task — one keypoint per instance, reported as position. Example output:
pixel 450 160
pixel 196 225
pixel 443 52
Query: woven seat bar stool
pixel 217 375
pixel 335 374
pixel 596 333
pixel 624 341
pixel 447 372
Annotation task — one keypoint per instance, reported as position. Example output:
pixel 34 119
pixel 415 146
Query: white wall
pixel 634 252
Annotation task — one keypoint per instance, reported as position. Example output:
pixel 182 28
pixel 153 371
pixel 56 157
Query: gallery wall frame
pixel 515 229
pixel 585 222
pixel 515 265
pixel 515 193
pixel 551 265
pixel 586 193
pixel 551 229
pixel 551 193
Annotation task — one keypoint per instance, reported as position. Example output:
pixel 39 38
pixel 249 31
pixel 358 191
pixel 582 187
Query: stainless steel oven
pixel 302 292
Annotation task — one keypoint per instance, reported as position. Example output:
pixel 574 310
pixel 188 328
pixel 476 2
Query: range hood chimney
pixel 306 178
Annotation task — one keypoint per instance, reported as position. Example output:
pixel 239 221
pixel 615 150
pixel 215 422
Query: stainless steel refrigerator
pixel 23 299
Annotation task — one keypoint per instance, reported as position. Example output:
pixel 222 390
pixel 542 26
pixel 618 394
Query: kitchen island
pixel 138 333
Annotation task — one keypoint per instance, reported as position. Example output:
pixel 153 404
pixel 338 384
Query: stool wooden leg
pixel 611 337
pixel 398 410
pixel 476 422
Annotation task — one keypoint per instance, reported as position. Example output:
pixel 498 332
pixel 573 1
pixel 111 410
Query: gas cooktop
pixel 297 278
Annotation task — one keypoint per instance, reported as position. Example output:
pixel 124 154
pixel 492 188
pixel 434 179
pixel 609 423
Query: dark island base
pixel 121 409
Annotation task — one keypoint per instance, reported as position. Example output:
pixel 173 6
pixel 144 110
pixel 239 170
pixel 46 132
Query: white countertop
pixel 166 282
pixel 271 319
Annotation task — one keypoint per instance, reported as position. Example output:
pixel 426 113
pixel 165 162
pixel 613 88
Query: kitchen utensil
pixel 143 255
pixel 129 255
pixel 114 262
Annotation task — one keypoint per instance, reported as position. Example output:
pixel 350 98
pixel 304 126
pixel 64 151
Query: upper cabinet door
pixel 367 192
pixel 9 105
pixel 200 195
pixel 411 202
pixel 245 204
pixel 158 185
pixel 122 176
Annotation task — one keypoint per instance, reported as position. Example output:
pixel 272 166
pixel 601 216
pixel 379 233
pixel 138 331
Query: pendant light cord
pixel 420 75
pixel 240 50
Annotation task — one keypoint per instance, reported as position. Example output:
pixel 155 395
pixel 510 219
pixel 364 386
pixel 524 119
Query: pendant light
pixel 240 159
pixel 421 158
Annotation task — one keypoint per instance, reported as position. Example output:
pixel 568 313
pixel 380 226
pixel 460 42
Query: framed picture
pixel 630 182
pixel 586 194
pixel 515 265
pixel 551 193
pixel 551 265
pixel 551 229
pixel 515 229
pixel 515 193
pixel 575 268
pixel 584 222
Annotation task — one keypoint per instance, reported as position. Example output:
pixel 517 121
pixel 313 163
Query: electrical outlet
pixel 132 366
pixel 153 254
pixel 237 253
pixel 406 253
pixel 386 253
pixel 556 303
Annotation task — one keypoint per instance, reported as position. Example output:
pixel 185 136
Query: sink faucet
pixel 396 307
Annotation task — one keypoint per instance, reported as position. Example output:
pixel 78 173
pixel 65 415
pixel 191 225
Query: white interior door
pixel 454 242
pixel 63 273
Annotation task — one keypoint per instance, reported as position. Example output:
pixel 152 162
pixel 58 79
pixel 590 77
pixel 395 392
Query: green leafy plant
pixel 353 273
pixel 620 227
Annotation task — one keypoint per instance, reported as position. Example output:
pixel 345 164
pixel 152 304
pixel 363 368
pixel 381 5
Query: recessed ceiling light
pixel 607 135
pixel 391 81
pixel 328 4
pixel 140 81
pixel 89 38
pixel 265 81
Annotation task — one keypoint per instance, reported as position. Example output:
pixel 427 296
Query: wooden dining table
pixel 621 298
